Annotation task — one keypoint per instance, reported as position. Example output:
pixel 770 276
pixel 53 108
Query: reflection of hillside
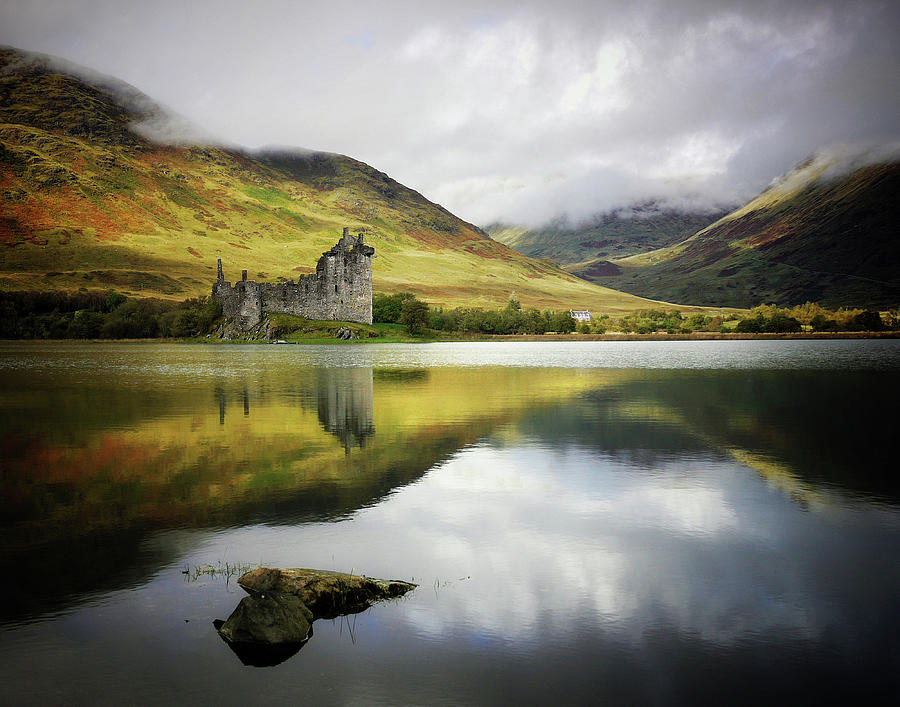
pixel 84 484
pixel 58 571
pixel 222 452
pixel 812 426
pixel 802 431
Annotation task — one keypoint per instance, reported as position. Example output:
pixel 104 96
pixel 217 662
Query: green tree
pixel 86 324
pixel 696 321
pixel 780 323
pixel 563 323
pixel 821 323
pixel 868 320
pixel 187 323
pixel 751 325
pixel 775 323
pixel 113 300
pixel 9 321
pixel 414 315
pixel 388 308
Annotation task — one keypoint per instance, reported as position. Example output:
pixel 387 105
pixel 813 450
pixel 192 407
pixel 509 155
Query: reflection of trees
pixel 345 404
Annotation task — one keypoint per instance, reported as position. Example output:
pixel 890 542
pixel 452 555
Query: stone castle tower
pixel 339 290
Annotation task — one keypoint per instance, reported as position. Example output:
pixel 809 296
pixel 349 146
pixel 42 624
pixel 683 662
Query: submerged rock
pixel 275 621
pixel 327 594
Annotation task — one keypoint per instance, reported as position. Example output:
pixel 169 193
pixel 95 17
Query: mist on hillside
pixel 507 111
pixel 833 162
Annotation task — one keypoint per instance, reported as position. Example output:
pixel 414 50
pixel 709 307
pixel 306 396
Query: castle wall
pixel 339 290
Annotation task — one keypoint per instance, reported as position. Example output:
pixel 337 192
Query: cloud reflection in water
pixel 547 540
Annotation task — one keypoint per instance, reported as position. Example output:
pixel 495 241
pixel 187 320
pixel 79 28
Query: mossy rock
pixel 326 594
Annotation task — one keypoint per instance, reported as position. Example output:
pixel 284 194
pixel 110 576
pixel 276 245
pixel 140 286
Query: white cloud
pixel 509 110
pixel 695 155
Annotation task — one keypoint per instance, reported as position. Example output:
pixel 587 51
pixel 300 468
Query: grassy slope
pixel 87 203
pixel 809 237
pixel 604 236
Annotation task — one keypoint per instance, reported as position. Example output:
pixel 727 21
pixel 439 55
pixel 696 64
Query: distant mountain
pixel 101 189
pixel 827 232
pixel 612 234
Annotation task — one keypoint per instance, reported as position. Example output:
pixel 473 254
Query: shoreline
pixel 696 336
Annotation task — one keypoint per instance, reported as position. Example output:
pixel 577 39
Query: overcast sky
pixel 509 110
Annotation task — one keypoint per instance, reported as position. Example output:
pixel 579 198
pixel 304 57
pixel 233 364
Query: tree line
pixel 406 309
pixel 111 315
pixel 99 315
pixel 769 318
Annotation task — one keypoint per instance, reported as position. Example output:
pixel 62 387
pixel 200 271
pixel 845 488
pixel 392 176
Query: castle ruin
pixel 339 290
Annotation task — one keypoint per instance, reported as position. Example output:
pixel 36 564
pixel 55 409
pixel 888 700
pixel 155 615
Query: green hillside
pixel 812 236
pixel 90 204
pixel 613 234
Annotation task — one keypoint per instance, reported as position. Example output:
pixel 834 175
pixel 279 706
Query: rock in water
pixel 326 594
pixel 274 622
pixel 268 618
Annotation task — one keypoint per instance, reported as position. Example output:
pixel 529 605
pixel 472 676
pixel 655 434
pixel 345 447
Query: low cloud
pixel 510 111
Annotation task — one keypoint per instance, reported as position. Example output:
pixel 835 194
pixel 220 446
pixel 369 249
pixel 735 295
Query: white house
pixel 580 315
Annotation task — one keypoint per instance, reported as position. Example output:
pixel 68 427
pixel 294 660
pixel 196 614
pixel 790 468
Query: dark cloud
pixel 512 110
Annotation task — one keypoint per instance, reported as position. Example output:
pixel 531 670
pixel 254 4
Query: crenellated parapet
pixel 339 290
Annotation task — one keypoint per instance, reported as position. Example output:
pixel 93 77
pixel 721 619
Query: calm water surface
pixel 618 522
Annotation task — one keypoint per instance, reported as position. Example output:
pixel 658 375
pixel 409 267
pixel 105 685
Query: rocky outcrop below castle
pixel 275 620
pixel 266 330
pixel 339 290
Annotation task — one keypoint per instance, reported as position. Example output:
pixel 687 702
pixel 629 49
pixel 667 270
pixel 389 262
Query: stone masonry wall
pixel 339 290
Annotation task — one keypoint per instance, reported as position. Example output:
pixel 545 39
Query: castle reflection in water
pixel 343 398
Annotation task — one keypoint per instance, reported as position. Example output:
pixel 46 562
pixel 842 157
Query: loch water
pixel 711 522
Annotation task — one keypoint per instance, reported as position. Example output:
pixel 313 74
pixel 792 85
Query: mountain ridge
pixel 605 235
pixel 90 203
pixel 817 234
